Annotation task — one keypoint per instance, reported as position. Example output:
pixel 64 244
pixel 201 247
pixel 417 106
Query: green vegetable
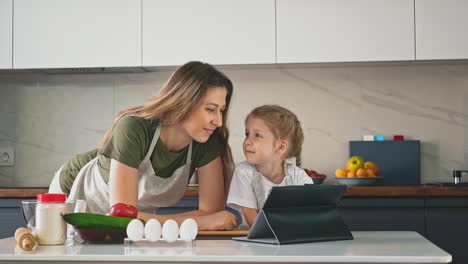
pixel 97 221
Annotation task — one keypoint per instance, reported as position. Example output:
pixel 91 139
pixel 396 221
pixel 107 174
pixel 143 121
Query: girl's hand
pixel 222 220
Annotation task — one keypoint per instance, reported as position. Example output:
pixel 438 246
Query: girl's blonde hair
pixel 177 98
pixel 284 125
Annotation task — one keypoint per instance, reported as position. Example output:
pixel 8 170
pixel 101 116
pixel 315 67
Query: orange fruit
pixel 370 173
pixel 341 173
pixel 352 173
pixel 372 166
pixel 361 173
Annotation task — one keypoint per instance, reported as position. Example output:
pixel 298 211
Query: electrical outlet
pixel 7 156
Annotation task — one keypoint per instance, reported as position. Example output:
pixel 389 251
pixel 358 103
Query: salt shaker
pixel 50 226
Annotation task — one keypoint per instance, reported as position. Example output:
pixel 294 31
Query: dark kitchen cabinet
pixel 10 217
pixel 184 205
pixel 442 220
pixel 447 225
pixel 360 214
pixel 383 214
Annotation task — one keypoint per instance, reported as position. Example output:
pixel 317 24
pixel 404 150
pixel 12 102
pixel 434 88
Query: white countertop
pixel 367 247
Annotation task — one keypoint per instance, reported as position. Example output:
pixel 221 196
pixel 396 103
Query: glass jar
pixel 50 226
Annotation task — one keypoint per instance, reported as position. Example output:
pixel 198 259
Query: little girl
pixel 272 147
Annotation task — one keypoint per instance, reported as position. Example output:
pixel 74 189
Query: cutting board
pixel 236 232
pixel 399 161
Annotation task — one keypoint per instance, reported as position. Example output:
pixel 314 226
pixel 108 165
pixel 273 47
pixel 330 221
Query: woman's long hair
pixel 176 100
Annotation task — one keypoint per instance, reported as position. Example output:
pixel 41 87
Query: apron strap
pixel 258 188
pixel 155 140
pixel 153 143
pixel 189 154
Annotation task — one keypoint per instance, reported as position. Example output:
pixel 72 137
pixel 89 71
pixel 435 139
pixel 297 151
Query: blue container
pixel 379 137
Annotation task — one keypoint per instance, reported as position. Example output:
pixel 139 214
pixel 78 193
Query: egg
pixel 135 230
pixel 188 229
pixel 153 230
pixel 170 230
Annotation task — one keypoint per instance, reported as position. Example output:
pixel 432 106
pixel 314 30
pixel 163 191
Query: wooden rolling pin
pixel 24 238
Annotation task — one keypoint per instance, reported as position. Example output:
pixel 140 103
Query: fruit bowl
pixel 318 180
pixel 357 181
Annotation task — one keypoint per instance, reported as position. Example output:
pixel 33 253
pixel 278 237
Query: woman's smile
pixel 209 131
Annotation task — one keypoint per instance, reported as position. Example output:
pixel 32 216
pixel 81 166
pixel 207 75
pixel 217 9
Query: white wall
pixel 49 118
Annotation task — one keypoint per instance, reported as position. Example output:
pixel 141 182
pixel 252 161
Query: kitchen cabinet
pixel 441 29
pixel 6 33
pixel 384 214
pixel 81 33
pixel 217 32
pixel 447 225
pixel 360 214
pixel 442 220
pixel 344 31
pixel 10 217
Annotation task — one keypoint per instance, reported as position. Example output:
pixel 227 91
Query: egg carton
pixel 146 243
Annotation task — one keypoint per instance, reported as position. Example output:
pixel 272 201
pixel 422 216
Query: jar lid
pixel 51 197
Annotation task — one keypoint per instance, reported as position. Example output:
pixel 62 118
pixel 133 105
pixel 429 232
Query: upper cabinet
pixel 441 29
pixel 218 32
pixel 6 33
pixel 343 30
pixel 127 33
pixel 76 33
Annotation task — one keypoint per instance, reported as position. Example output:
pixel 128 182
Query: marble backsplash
pixel 49 118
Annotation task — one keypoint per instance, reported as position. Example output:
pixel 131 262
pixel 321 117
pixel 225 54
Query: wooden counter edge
pixel 385 191
pixel 33 192
pixel 406 191
pixel 21 192
pixel 434 191
pixel 352 191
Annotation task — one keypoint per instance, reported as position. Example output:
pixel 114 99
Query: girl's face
pixel 206 116
pixel 260 145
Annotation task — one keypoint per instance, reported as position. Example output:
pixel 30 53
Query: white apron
pixel 259 188
pixel 153 191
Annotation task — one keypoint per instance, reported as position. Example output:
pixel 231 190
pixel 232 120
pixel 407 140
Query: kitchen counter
pixel 367 247
pixel 353 191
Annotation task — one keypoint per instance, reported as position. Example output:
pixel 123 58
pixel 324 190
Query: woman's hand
pixel 222 220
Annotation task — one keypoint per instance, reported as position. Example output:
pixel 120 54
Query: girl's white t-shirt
pixel 241 191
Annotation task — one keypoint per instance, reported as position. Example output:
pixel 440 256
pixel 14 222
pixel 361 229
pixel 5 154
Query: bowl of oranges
pixel 358 172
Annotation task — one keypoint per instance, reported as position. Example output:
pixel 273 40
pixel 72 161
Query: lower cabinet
pixel 383 214
pixel 447 225
pixel 442 220
pixel 11 217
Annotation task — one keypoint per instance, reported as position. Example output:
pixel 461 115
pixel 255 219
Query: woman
pixel 147 157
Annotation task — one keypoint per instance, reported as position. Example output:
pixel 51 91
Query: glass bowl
pixel 28 209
